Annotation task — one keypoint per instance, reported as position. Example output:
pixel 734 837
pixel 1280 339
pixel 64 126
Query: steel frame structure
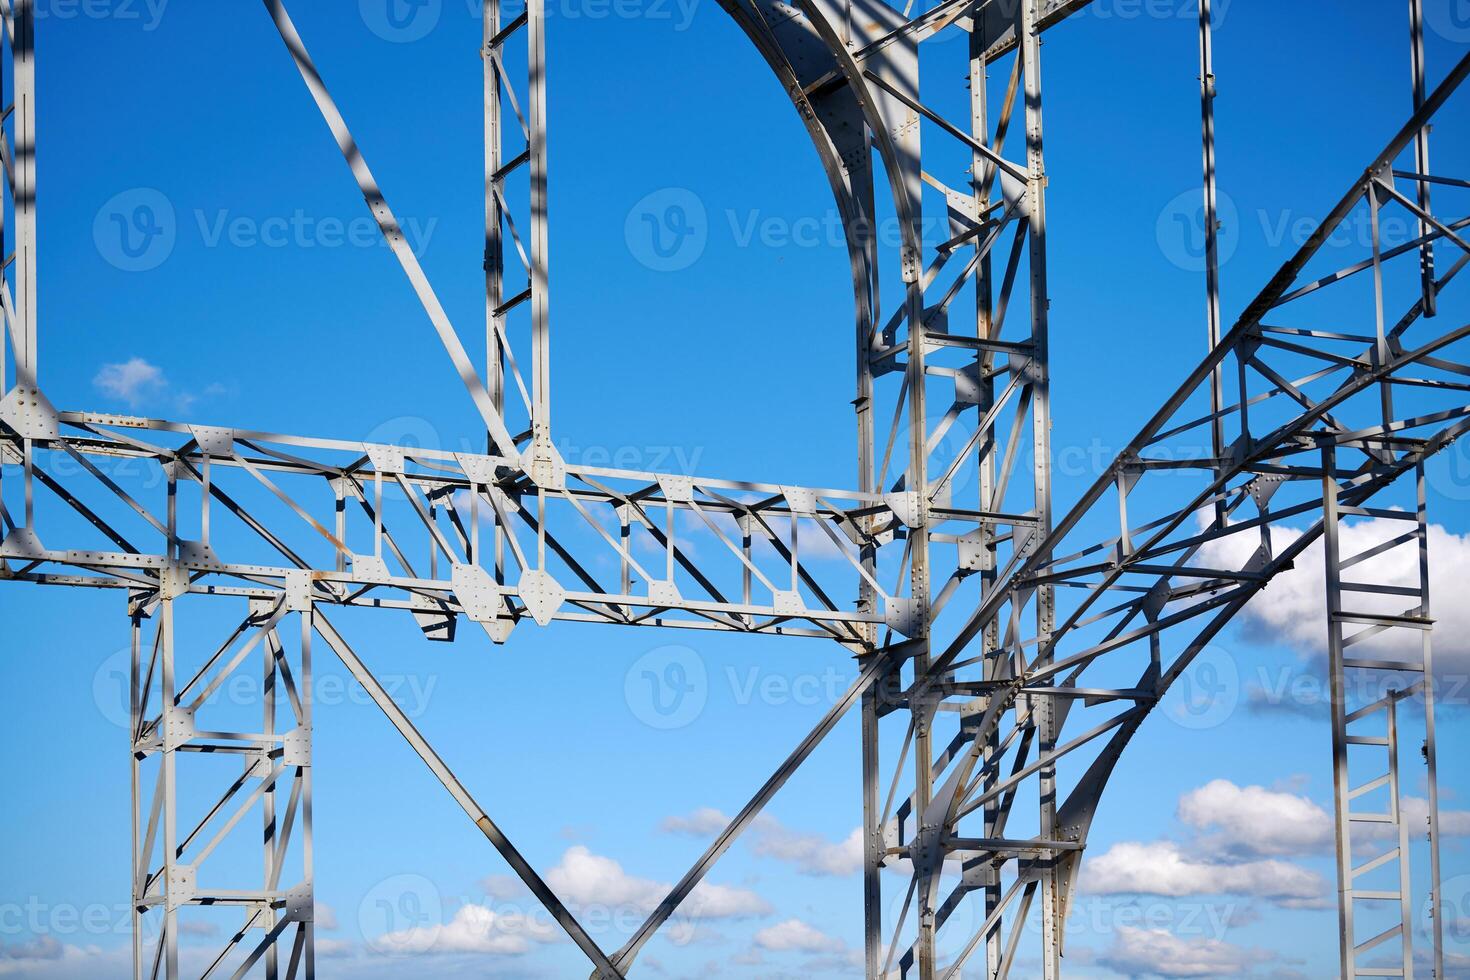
pixel 977 613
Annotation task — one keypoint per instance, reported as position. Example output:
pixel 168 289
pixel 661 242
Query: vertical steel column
pixel 984 328
pixel 1337 702
pixel 872 841
pixel 1431 752
pixel 1047 722
pixel 1381 352
pixel 1421 154
pixel 170 728
pixel 917 482
pixel 23 56
pixel 269 827
pixel 135 725
pixel 868 598
pixel 495 306
pixel 494 245
pixel 304 954
pixel 1212 227
pixel 536 148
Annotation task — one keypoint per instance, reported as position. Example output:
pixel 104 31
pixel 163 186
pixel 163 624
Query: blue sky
pixel 271 308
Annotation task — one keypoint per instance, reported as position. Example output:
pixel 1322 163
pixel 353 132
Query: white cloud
pixel 198 927
pixel 1452 823
pixel 794 934
pixel 583 878
pixel 749 957
pixel 1164 868
pixel 704 822
pixel 589 879
pixel 132 380
pixel 810 854
pixel 1292 608
pixel 1154 952
pixel 474 929
pixel 1254 820
pixel 41 948
pixel 1415 811
pixel 335 948
pixel 504 887
pixel 324 916
pixel 46 958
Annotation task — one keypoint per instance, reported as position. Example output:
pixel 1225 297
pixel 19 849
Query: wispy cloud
pixel 811 854
pixel 132 381
pixel 137 382
pixel 794 934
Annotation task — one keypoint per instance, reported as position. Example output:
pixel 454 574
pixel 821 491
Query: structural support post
pixel 1431 752
pixel 1212 232
pixel 1421 155
pixel 23 51
pixel 184 728
pixel 916 481
pixel 540 240
pixel 1379 656
pixel 494 258
pixel 872 841
pixel 1047 723
pixel 985 327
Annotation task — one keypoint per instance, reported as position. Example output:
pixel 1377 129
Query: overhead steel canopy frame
pixel 976 611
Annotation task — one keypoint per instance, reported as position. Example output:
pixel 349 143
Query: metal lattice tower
pixel 1009 652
